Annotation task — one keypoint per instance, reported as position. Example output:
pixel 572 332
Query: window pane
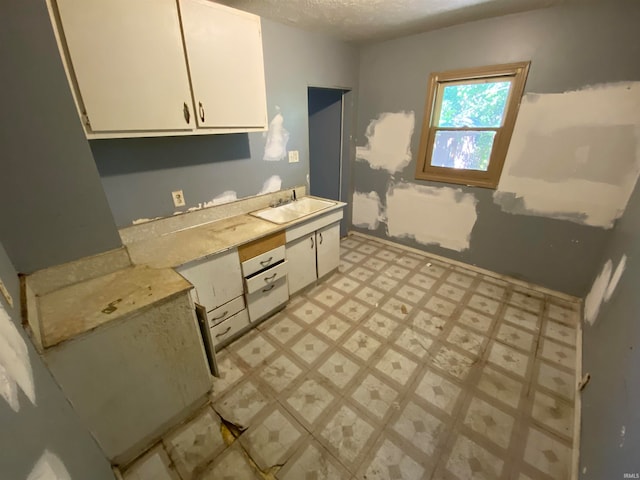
pixel 474 104
pixel 463 149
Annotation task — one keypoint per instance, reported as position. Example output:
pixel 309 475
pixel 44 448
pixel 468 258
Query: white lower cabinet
pixel 313 256
pixel 328 249
pixel 301 256
pixel 217 279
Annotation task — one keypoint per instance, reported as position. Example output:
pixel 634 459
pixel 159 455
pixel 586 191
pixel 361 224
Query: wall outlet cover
pixel 178 198
pixel 293 156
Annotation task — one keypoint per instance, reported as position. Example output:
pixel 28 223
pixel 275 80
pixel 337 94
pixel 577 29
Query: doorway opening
pixel 328 144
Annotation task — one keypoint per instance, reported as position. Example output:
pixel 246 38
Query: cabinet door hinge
pixel 85 120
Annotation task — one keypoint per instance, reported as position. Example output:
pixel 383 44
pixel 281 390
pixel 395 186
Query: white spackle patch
pixel 574 155
pixel 389 142
pixel 602 289
pixel 615 278
pixel 367 210
pixel 49 467
pixel 623 432
pixel 225 197
pixel 441 216
pixel 271 184
pixel 15 366
pixel 144 220
pixel 275 148
pixel 596 296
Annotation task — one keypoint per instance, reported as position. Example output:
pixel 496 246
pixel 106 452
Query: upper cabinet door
pixel 224 52
pixel 129 63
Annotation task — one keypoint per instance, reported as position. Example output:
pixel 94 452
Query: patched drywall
pixel 367 210
pixel 602 289
pixel 271 184
pixel 574 155
pixel 275 148
pixel 15 366
pixel 49 467
pixel 441 216
pixel 388 142
pixel 224 197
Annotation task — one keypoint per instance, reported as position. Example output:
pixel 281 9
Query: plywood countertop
pixel 82 307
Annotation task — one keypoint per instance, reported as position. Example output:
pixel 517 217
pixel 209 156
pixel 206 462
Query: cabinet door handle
pixel 187 114
pixel 220 316
pixel 270 277
pixel 224 333
pixel 201 110
pixel 266 262
pixel 270 287
pixel 311 242
pixel 320 242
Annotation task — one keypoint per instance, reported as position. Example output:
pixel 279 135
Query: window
pixel 469 118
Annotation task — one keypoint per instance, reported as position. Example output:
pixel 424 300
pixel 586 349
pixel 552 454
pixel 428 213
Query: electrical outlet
pixel 293 156
pixel 178 198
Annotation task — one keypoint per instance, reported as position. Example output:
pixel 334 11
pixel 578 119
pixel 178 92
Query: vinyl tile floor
pixel 399 366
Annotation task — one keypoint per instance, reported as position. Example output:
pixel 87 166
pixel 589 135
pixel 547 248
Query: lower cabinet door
pixel 328 246
pixel 301 257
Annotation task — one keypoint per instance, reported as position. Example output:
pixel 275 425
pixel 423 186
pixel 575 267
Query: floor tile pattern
pixel 399 366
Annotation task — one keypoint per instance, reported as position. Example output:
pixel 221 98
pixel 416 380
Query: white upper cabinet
pixel 126 63
pixel 224 51
pixel 129 63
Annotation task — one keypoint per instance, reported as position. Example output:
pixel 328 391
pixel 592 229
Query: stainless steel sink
pixel 293 211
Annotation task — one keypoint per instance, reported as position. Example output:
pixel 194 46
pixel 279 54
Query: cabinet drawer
pixel 262 261
pixel 265 300
pixel 225 311
pixel 217 279
pixel 264 279
pixel 228 328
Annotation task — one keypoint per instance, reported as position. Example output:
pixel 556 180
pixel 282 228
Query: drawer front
pixel 229 327
pixel 264 260
pixel 225 311
pixel 267 299
pixel 312 225
pixel 265 279
pixel 260 246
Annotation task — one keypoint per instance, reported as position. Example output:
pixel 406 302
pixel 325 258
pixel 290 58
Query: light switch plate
pixel 178 198
pixel 293 156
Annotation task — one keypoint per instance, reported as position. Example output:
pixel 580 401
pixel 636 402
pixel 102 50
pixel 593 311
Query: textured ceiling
pixel 367 20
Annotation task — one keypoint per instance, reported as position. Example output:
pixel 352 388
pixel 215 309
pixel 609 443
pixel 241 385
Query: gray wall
pixel 138 175
pixel 611 354
pixel 50 424
pixel 569 47
pixel 54 209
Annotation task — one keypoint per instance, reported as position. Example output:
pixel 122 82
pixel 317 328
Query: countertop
pixel 79 308
pixel 174 249
pixel 67 312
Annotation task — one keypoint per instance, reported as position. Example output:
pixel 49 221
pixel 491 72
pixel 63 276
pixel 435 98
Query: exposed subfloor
pixel 397 367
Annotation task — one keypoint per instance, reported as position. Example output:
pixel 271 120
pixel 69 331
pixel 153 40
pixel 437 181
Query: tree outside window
pixel 469 118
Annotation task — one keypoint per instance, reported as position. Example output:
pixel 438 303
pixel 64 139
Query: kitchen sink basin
pixel 293 211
